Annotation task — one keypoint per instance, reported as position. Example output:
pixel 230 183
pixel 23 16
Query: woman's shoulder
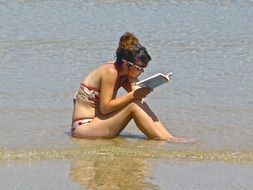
pixel 108 69
pixel 104 71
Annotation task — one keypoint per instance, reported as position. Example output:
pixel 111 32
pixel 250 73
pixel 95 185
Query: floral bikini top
pixel 88 94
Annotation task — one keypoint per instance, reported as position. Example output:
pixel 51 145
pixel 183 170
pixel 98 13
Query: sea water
pixel 48 47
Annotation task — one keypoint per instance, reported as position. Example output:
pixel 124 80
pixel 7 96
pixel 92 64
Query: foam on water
pixel 116 151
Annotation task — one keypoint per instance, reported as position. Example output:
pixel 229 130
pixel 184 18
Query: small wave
pixel 138 152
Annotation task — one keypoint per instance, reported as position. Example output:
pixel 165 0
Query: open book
pixel 154 81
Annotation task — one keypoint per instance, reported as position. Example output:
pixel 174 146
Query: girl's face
pixel 134 70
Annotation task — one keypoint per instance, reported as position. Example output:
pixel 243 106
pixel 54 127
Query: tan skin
pixel 114 113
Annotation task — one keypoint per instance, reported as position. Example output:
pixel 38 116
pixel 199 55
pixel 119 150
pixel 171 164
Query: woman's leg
pixel 159 125
pixel 157 121
pixel 148 123
pixel 108 126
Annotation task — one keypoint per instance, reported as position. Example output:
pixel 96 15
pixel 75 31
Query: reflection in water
pixel 112 171
pixel 109 172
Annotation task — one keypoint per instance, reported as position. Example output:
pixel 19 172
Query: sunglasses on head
pixel 140 69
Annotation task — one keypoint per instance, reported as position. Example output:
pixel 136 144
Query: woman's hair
pixel 131 50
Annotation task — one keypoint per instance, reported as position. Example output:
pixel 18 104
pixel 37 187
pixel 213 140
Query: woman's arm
pixel 130 85
pixel 107 104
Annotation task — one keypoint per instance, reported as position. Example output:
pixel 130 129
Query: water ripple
pixel 211 155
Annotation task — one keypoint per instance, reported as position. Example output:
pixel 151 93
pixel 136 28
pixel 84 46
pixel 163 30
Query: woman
pixel 98 113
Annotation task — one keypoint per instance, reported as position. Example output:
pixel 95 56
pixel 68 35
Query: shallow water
pixel 111 173
pixel 47 47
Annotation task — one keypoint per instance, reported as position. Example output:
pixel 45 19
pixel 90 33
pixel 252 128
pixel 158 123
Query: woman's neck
pixel 120 70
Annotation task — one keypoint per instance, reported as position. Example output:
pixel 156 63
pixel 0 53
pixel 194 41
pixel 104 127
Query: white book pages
pixel 154 81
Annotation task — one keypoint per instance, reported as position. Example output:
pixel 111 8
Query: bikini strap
pixel 89 87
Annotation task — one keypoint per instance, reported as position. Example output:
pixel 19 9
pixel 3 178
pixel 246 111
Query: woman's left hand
pixel 182 140
pixel 132 81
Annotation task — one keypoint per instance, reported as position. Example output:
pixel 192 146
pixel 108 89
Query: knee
pixel 134 105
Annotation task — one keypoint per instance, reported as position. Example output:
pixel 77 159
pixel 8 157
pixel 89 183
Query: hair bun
pixel 131 50
pixel 128 41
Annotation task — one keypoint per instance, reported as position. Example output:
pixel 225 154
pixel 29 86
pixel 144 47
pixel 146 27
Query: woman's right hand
pixel 141 92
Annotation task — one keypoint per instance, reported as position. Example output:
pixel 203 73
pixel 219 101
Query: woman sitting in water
pixel 98 113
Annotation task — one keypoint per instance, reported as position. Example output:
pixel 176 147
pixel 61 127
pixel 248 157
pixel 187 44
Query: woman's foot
pixel 182 140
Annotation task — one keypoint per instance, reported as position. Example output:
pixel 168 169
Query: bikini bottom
pixel 78 123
